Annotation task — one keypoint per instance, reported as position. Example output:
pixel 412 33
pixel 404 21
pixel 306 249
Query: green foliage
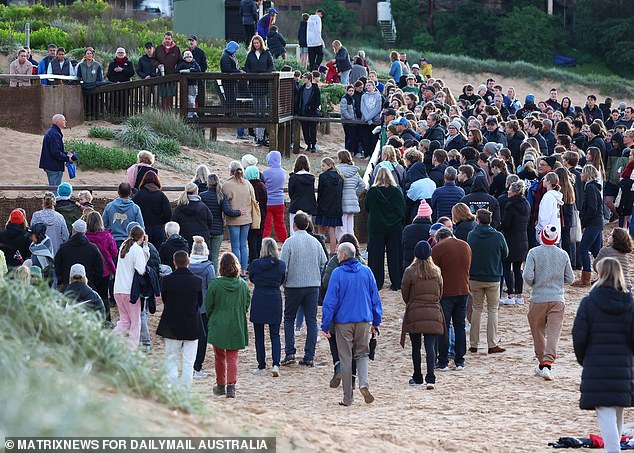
pixel 104 133
pixel 11 40
pixel 56 361
pixel 513 29
pixel 47 35
pixel 84 10
pixel 170 125
pixel 213 56
pixel 167 145
pixel 94 156
pixel 330 96
pixel 423 41
pixel 290 61
pixel 468 30
pixel 340 22
pixel 137 136
pixel 406 14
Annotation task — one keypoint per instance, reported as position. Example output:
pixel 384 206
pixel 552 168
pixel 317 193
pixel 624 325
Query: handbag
pixel 575 230
pixel 256 215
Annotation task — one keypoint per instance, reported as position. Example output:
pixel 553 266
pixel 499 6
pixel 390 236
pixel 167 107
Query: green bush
pixel 169 146
pixel 47 35
pixel 170 125
pixel 137 136
pixel 331 95
pixel 104 133
pixel 290 61
pixel 11 40
pixel 93 156
pixel 341 22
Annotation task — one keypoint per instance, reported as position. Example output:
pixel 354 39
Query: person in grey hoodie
pixel 547 269
pixel 274 180
pixel 120 212
pixel 56 228
pixel 353 186
pixel 371 106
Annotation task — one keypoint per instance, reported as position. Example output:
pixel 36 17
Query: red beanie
pixel 16 217
pixel 550 235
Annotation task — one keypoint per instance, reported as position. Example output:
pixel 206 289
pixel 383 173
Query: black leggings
pixel 513 278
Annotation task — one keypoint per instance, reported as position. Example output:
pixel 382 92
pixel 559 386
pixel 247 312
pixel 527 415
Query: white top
pixel 313 31
pixel 135 260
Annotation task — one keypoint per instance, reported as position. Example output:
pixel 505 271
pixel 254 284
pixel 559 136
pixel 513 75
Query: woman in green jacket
pixel 227 302
pixel 385 205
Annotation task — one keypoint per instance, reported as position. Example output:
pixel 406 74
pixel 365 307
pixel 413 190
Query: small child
pixel 276 43
pixel 190 65
pixel 84 200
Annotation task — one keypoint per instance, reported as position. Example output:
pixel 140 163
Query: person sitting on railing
pixel 20 66
pixel 42 67
pixel 89 71
pixel 120 69
pixel 184 67
pixel 60 65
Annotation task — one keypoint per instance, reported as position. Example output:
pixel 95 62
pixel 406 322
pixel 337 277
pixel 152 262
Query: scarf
pixel 121 61
pixel 169 48
pixel 627 173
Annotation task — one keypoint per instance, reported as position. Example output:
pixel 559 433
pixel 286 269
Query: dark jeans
pixel 430 357
pixel 249 31
pixel 101 286
pixel 578 261
pixel 455 311
pixel 315 57
pixel 353 138
pixel 567 246
pixel 591 242
pixel 513 277
pixel 202 343
pixel 377 247
pixel 309 130
pixel 334 352
pixel 307 298
pixel 254 242
pixel 368 139
pixel 260 350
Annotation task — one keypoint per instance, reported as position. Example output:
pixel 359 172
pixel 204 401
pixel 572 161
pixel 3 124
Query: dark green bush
pixel 93 156
pixel 101 132
pixel 47 35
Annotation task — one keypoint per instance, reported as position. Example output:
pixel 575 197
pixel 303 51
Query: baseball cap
pixel 273 10
pixel 149 45
pixel 77 269
pixel 415 66
pixel 192 37
pixel 402 121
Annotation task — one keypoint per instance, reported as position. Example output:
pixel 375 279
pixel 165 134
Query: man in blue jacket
pixel 53 155
pixel 352 302
pixel 120 212
pixel 444 198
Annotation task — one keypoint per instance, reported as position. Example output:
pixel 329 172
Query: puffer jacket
pixel 423 313
pixel 603 340
pixel 353 186
pixel 194 218
pixel 301 191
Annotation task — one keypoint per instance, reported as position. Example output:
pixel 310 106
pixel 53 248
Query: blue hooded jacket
pixel 118 214
pixel 352 296
pixel 274 179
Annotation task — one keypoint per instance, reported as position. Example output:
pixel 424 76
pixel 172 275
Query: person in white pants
pixel 353 186
pixel 180 322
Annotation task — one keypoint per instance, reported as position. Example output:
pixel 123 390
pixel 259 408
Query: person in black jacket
pixel 591 216
pixel 463 221
pixel 329 201
pixel 259 61
pixel 514 227
pixel 276 43
pixel 147 66
pixel 120 69
pixel 342 61
pixel 267 274
pixel 201 58
pixel 307 103
pixel 500 172
pixel 249 15
pixel 603 340
pixel 172 244
pixel 479 198
pixel 437 172
pixel 192 215
pixel 186 66
pixel 218 204
pixel 417 231
pixel 78 250
pixel 180 325
pixel 434 131
pixel 13 239
pixel 515 137
pixel 155 207
pixel 229 65
pixel 301 39
pixel 301 189
pixel 79 291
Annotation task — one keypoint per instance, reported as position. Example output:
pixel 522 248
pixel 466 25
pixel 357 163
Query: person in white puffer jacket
pixel 550 205
pixel 353 186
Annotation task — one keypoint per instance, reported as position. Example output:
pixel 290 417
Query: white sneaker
pixel 317 147
pixel 547 374
pixel 508 301
pixel 275 371
pixel 519 300
pixel 459 368
pixel 446 368
pixel 298 333
pixel 200 374
pixel 318 338
pixel 258 371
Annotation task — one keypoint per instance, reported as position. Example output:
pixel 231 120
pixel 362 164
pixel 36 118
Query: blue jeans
pixel 260 349
pixel 299 319
pixel 145 339
pixel 591 242
pixel 240 132
pixel 238 238
pixel 455 311
pixel 54 178
pixel 306 298
pixel 345 77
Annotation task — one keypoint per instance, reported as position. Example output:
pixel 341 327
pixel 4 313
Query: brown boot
pixel 586 277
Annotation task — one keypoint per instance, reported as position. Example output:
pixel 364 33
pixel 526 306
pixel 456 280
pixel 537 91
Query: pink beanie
pixel 424 210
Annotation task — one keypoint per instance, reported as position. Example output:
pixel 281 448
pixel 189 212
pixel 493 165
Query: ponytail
pixel 136 234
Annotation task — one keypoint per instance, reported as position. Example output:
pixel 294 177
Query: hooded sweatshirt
pixel 274 179
pixel 118 214
pixel 56 228
pixel 479 198
pixel 371 105
pixel 201 266
pixel 227 302
pixel 488 248
pixel 549 211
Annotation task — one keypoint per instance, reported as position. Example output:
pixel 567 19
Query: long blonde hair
pixel 425 269
pixel 262 43
pixel 190 189
pixel 384 178
pixel 610 275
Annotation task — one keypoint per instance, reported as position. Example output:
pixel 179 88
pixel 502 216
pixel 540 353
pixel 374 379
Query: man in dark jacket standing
pixel 78 250
pixel 592 111
pixel 180 324
pixel 479 198
pixel 229 65
pixel 439 162
pixel 249 15
pixel 307 104
pixel 352 303
pixel 493 133
pixel 488 248
pixel 172 244
pixel 53 155
pixel 434 131
pixel 445 197
pixel 147 66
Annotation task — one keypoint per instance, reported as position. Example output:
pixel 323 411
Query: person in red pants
pixel 226 303
pixel 274 179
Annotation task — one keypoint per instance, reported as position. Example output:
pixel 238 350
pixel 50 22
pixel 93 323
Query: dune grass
pixel 58 363
pixel 94 156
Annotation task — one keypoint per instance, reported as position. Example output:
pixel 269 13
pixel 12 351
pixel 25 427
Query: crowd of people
pixel 473 198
